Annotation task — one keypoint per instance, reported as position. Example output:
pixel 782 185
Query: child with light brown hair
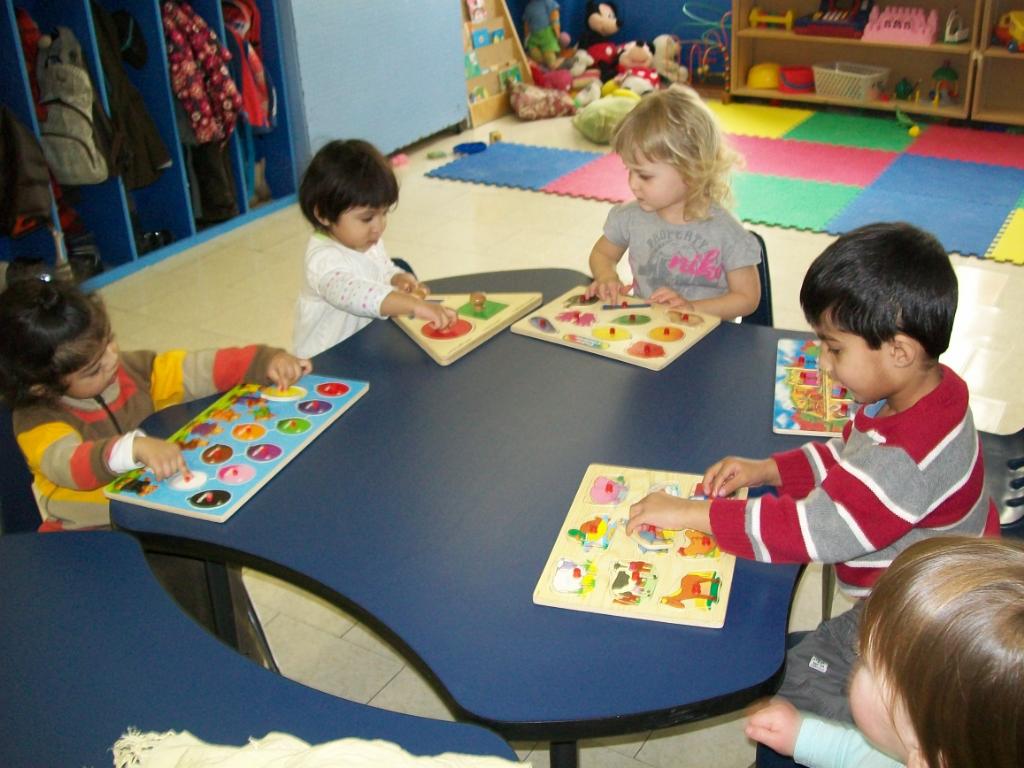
pixel 940 683
pixel 686 250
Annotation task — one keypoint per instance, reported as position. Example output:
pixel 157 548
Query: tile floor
pixel 240 288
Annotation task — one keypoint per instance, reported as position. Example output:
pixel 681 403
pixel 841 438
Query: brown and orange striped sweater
pixel 67 444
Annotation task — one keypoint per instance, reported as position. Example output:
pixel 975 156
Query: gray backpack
pixel 70 136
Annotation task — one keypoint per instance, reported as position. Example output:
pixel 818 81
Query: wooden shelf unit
pixel 494 58
pixel 999 74
pixel 989 77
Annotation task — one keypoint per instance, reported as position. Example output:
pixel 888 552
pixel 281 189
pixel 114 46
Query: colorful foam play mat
pixel 818 171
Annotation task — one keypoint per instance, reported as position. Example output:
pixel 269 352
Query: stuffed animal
pixel 558 79
pixel 636 70
pixel 667 49
pixel 581 67
pixel 602 23
pixel 544 39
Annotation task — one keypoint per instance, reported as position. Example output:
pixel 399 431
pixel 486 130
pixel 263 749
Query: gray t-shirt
pixel 691 259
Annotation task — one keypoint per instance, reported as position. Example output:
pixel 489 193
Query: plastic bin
pixel 845 80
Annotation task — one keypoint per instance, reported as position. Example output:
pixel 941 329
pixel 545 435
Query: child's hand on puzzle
pixel 775 724
pixel 284 369
pixel 671 299
pixel 663 510
pixel 161 458
pixel 406 283
pixel 609 290
pixel 725 477
pixel 438 314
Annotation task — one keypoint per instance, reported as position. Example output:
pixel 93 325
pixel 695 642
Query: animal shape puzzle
pixel 237 444
pixel 807 401
pixel 480 316
pixel 633 331
pixel 678 577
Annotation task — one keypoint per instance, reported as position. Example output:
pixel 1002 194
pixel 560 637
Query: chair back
pixel 762 315
pixel 18 510
pixel 1004 476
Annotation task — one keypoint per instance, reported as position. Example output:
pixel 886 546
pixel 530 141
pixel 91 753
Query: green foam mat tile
pixel 782 202
pixel 853 131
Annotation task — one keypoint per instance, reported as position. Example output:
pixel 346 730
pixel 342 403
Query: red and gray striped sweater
pixel 861 499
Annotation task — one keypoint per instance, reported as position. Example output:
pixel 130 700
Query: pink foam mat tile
pixel 794 159
pixel 971 145
pixel 604 179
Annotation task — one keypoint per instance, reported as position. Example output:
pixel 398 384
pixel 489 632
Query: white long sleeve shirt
pixel 341 293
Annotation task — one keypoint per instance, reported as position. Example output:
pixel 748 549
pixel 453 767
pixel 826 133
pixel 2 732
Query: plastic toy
pixel 907 90
pixel 913 129
pixel 956 31
pixel 1009 31
pixel 945 82
pixel 796 80
pixel 764 75
pixel 902 24
pixel 836 18
pixel 758 18
pixel 708 55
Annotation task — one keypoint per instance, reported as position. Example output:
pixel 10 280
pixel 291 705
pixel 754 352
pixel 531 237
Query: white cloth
pixel 122 455
pixel 280 750
pixel 341 293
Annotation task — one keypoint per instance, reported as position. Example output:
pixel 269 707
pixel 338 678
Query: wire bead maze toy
pixel 711 47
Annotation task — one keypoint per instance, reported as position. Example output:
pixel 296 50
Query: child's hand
pixel 665 511
pixel 723 478
pixel 438 314
pixel 776 724
pixel 671 299
pixel 609 291
pixel 161 458
pixel 284 369
pixel 406 283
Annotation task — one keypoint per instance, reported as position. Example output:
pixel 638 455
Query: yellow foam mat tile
pixel 758 119
pixel 1009 243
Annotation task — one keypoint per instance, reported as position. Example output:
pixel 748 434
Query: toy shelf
pixel 989 76
pixel 999 74
pixel 502 53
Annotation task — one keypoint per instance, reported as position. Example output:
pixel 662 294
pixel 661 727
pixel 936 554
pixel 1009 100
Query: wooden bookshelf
pixel 494 56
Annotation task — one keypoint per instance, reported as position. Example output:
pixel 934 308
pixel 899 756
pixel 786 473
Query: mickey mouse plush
pixel 602 22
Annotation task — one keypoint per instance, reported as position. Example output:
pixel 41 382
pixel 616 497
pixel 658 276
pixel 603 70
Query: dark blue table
pixel 430 509
pixel 91 644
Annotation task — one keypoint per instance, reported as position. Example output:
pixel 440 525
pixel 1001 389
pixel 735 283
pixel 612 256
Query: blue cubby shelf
pixel 107 209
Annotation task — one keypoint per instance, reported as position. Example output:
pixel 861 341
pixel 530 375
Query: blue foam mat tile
pixel 963 227
pixel 953 181
pixel 515 165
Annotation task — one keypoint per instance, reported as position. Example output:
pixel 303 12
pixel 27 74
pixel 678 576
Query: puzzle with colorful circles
pixel 479 317
pixel 679 577
pixel 237 444
pixel 633 330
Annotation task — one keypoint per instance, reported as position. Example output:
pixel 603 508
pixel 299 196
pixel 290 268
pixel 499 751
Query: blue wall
pixel 642 19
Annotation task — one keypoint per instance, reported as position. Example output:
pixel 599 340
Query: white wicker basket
pixel 845 80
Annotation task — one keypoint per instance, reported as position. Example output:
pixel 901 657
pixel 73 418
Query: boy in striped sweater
pixel 908 465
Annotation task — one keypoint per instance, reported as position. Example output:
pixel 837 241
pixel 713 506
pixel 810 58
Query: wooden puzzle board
pixel 472 328
pixel 679 577
pixel 807 402
pixel 236 445
pixel 634 331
